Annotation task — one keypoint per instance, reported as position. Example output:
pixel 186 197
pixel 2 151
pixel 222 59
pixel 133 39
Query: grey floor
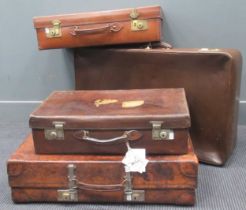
pixel 219 187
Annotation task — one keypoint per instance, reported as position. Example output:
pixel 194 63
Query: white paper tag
pixel 135 160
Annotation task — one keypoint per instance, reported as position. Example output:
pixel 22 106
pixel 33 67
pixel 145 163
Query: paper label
pixel 132 104
pixel 100 102
pixel 135 160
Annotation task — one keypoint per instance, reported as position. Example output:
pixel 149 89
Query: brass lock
pixel 67 195
pixel 139 25
pixel 55 31
pixel 138 195
pixel 136 24
pixel 161 134
pixel 132 195
pixel 53 134
pixel 70 194
pixel 56 133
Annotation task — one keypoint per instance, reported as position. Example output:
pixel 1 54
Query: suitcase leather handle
pixel 126 136
pixel 115 27
pixel 95 187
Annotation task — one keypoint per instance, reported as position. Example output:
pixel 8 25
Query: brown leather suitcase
pixel 80 178
pixel 138 25
pixel 101 122
pixel 211 78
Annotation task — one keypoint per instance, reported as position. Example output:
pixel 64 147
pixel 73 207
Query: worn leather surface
pixel 99 28
pixel 167 196
pixel 211 78
pixel 109 114
pixel 33 177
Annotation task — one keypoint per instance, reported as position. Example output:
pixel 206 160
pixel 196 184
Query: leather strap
pixel 126 136
pixel 115 27
pixel 95 187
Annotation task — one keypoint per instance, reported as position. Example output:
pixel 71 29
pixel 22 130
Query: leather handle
pixel 95 187
pixel 126 136
pixel 115 27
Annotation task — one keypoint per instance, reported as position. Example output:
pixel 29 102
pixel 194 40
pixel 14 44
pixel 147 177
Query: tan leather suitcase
pixel 101 122
pixel 138 25
pixel 211 78
pixel 80 178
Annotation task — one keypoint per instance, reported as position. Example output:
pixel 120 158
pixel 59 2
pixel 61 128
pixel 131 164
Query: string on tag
pixel 128 146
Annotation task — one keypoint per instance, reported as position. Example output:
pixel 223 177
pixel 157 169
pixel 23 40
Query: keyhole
pixel 140 25
pixel 53 134
pixel 163 134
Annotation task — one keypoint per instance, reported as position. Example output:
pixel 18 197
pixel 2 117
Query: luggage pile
pixel 126 133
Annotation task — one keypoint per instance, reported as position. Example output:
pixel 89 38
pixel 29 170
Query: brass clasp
pixel 136 24
pixel 70 194
pixel 130 194
pixel 161 134
pixel 55 31
pixel 56 133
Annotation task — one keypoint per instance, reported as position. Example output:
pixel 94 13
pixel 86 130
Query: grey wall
pixel 28 75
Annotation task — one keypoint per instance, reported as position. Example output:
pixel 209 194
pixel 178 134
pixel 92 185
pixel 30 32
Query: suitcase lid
pixel 87 18
pixel 113 109
pixel 26 169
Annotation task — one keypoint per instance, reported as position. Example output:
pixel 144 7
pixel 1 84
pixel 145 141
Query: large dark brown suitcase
pixel 79 178
pixel 138 25
pixel 211 78
pixel 101 122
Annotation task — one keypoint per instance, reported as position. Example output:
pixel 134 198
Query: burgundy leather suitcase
pixel 101 122
pixel 169 179
pixel 211 78
pixel 143 24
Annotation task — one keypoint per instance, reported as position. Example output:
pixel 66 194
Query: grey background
pixel 28 75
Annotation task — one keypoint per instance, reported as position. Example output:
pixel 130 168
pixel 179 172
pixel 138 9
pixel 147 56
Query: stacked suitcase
pixel 131 145
pixel 107 146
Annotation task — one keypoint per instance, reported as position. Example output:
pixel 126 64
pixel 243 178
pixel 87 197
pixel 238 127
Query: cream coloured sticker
pixel 100 102
pixel 132 104
pixel 135 160
pixel 124 104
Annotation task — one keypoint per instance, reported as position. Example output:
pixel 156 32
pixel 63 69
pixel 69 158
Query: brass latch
pixel 55 31
pixel 56 133
pixel 137 25
pixel 67 195
pixel 161 134
pixel 130 194
pixel 70 194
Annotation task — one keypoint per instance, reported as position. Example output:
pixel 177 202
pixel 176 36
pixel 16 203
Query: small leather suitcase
pixel 211 78
pixel 169 179
pixel 138 25
pixel 101 122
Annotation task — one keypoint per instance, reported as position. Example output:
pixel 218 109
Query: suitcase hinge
pixel 56 133
pixel 161 134
pixel 130 194
pixel 70 194
pixel 55 31
pixel 137 25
